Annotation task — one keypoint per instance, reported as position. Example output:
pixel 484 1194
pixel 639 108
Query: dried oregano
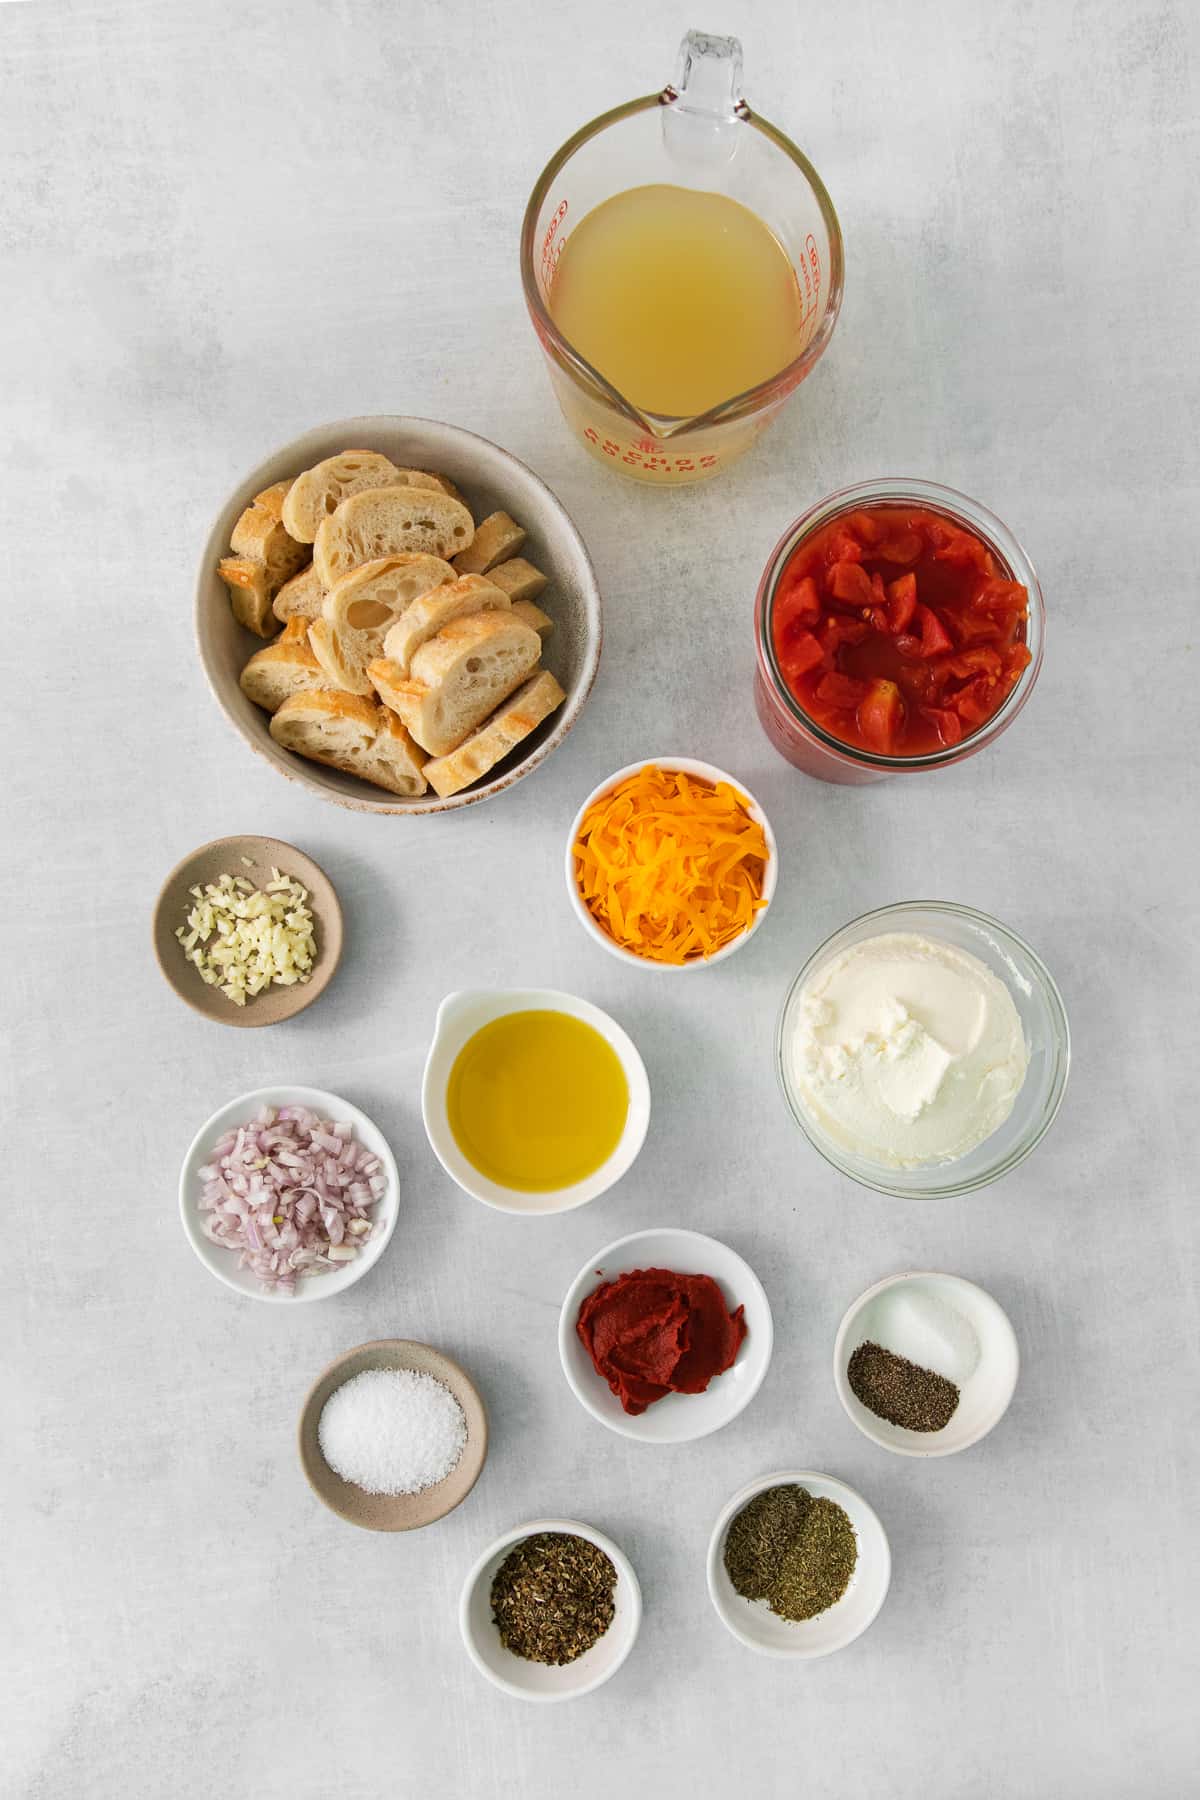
pixel 552 1597
pixel 796 1552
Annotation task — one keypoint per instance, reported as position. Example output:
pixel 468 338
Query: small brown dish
pixel 393 1512
pixel 253 857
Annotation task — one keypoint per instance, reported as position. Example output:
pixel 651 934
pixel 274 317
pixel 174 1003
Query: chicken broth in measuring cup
pixel 681 299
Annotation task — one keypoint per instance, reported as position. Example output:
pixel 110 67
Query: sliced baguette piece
pixel 458 677
pixel 497 539
pixel 349 733
pixel 264 558
pixel 261 536
pixel 428 614
pixel 507 727
pixel 519 579
pixel 357 614
pixel 283 668
pixel 249 593
pixel 444 482
pixel 299 598
pixel 534 617
pixel 386 521
pixel 321 489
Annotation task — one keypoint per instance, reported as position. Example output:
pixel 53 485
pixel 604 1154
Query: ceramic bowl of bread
pixel 398 614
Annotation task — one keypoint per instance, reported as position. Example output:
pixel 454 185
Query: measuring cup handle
pixel 703 107
pixel 708 79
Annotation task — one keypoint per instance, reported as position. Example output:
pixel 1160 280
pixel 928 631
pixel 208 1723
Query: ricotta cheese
pixel 905 1050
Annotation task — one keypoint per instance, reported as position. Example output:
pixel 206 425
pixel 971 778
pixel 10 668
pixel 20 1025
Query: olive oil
pixel 681 299
pixel 537 1101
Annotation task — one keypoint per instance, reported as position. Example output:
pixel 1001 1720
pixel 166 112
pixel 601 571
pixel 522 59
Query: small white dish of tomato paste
pixel 734 1320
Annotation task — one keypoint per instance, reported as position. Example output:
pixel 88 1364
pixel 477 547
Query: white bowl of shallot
pixel 289 1194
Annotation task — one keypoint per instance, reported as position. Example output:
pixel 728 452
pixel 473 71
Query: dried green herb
pixel 794 1551
pixel 900 1391
pixel 758 1538
pixel 818 1563
pixel 552 1597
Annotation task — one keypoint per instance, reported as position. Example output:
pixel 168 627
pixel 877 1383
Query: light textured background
pixel 223 223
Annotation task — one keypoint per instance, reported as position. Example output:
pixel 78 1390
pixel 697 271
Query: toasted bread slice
pixel 321 490
pixel 458 677
pixel 261 536
pixel 519 579
pixel 387 521
pixel 534 617
pixel 427 615
pixel 283 668
pixel 299 598
pixel 444 482
pixel 249 593
pixel 522 713
pixel 264 558
pixel 349 733
pixel 496 540
pixel 358 613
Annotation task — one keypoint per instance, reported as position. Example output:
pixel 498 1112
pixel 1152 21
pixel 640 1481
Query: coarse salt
pixel 929 1332
pixel 392 1431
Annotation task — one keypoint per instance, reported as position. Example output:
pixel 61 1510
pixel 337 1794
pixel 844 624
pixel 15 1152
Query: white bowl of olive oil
pixel 534 1101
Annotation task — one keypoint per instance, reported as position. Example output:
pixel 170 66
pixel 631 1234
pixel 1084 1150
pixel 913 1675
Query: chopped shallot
pixel 291 1193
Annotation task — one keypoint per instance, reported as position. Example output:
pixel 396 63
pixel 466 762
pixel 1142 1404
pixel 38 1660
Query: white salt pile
pixel 392 1431
pixel 917 1324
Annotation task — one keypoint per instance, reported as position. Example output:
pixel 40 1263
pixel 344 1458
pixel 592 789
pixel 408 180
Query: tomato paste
pixel 895 630
pixel 652 1332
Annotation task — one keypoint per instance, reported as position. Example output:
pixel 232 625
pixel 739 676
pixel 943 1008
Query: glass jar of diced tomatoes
pixel 899 626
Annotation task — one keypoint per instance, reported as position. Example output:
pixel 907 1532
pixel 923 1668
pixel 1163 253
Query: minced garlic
pixel 242 938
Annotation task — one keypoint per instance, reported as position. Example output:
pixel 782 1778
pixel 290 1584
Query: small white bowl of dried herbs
pixel 551 1610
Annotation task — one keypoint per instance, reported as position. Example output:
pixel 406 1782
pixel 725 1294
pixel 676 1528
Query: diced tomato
pixel 865 528
pixel 934 636
pixel 905 547
pixel 797 609
pixel 850 582
pixel 841 690
pixel 947 724
pixel 972 628
pixel 974 662
pixel 917 679
pixel 901 602
pixel 838 630
pixel 843 546
pixel 879 715
pixel 951 544
pixel 895 628
pixel 974 703
pixel 998 596
pixel 799 654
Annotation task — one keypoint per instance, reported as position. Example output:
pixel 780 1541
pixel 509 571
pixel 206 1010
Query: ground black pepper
pixel 900 1391
pixel 552 1597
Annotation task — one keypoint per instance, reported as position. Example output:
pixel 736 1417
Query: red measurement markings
pixel 644 454
pixel 552 247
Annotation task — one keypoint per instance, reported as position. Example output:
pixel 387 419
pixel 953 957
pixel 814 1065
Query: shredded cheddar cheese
pixel 670 866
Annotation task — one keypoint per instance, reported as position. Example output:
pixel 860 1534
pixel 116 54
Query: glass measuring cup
pixel 700 134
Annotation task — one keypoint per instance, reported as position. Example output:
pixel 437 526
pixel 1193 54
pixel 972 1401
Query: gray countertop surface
pixel 221 224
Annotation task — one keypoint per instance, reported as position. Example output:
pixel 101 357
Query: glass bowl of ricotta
pixel 924 1049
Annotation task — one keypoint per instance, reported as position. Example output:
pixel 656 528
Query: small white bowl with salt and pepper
pixel 541 1682
pixel 335 1223
pixel 393 1435
pixel 907 1344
